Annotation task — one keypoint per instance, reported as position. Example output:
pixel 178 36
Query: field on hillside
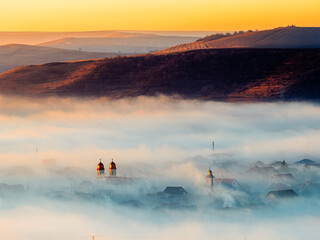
pixel 221 74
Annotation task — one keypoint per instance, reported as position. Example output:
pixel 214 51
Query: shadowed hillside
pixel 286 37
pixel 221 74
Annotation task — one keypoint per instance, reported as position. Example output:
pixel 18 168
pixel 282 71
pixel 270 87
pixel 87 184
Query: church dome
pixel 112 165
pixel 100 166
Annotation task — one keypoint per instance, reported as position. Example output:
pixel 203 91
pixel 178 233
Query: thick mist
pixel 50 148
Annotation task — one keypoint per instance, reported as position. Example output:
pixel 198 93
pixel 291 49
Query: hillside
pixel 120 42
pixel 286 37
pixel 218 74
pixel 33 38
pixel 15 55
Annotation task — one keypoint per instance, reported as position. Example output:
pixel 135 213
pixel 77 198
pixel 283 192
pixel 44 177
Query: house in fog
pixel 227 182
pixel 312 167
pixel 171 192
pixel 305 162
pixel 263 170
pixel 284 168
pixel 281 194
pixel 279 186
pixel 173 197
pixel 258 164
pixel 310 188
pixel 281 166
pixel 276 164
pixel 282 178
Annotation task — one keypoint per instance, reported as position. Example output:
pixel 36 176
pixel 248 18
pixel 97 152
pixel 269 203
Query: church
pixel 112 176
pixel 101 169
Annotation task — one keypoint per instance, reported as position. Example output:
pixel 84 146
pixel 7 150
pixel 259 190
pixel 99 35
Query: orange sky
pixel 205 15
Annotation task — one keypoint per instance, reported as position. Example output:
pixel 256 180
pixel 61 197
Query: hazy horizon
pixel 38 37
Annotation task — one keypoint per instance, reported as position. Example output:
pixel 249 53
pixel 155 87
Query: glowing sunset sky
pixel 78 15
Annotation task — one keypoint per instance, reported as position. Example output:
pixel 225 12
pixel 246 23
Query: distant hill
pixel 284 37
pixel 219 74
pixel 32 38
pixel 120 42
pixel 306 162
pixel 15 55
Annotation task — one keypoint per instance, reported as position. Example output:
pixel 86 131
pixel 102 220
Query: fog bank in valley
pixel 50 148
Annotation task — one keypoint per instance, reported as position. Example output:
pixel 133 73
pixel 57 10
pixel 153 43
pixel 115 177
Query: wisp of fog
pixel 50 148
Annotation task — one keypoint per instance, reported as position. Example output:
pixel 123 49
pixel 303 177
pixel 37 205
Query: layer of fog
pixel 49 149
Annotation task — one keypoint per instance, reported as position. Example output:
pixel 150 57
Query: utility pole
pixel 282 98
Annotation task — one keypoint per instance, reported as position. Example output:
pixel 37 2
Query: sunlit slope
pixel 287 37
pixel 215 74
pixel 15 55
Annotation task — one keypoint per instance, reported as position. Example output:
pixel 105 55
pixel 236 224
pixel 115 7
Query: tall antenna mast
pixel 212 151
pixel 281 94
pixel 37 154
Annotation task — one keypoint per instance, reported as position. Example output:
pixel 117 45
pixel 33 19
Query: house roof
pixel 175 191
pixel 279 186
pixel 225 180
pixel 268 168
pixel 258 164
pixel 306 161
pixel 308 166
pixel 276 163
pixel 282 193
pixel 283 176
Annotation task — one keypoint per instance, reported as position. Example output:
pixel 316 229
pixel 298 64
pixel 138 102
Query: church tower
pixel 112 169
pixel 209 178
pixel 100 169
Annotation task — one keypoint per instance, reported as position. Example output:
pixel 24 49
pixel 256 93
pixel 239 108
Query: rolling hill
pixel 120 42
pixel 33 38
pixel 284 37
pixel 15 55
pixel 212 74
